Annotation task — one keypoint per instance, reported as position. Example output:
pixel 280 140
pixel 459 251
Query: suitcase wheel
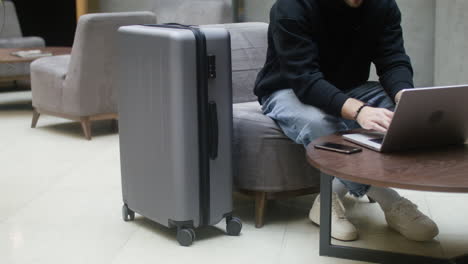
pixel 233 226
pixel 185 236
pixel 127 214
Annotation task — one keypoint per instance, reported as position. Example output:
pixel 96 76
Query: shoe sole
pixel 411 239
pixel 349 240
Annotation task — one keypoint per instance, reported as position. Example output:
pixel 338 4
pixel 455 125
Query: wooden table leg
pixel 260 204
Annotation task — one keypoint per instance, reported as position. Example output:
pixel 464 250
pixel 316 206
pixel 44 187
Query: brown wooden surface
pixel 6 57
pixel 442 169
pixel 14 78
pixel 262 197
pixel 260 206
pixel 82 7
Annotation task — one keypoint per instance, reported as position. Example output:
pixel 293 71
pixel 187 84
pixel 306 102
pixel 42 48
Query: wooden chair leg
pixel 35 118
pixel 260 205
pixel 115 124
pixel 86 126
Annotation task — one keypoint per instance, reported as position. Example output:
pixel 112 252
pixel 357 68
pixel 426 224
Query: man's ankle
pixel 385 197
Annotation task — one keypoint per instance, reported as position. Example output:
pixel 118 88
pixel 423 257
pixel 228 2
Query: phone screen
pixel 338 147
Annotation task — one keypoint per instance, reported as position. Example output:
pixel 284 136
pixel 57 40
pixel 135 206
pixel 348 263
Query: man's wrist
pixel 350 108
pixel 359 111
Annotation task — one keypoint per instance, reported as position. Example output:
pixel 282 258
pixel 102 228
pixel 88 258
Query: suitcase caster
pixel 127 214
pixel 233 226
pixel 185 236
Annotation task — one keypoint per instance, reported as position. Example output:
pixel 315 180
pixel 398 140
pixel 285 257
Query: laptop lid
pixel 427 117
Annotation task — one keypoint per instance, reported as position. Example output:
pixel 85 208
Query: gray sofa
pixel 11 36
pixel 80 86
pixel 267 164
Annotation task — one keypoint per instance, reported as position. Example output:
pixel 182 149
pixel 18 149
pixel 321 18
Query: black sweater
pixel 321 48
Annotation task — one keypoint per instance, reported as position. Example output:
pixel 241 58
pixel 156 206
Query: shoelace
pixel 408 209
pixel 338 207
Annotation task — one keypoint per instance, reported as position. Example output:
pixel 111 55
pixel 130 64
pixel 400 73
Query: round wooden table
pixel 443 169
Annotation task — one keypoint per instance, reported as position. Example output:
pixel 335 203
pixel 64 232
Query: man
pixel 315 83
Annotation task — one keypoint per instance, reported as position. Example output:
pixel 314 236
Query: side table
pixel 439 170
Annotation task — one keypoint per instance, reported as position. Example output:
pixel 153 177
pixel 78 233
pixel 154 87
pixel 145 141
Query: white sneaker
pixel 341 229
pixel 405 218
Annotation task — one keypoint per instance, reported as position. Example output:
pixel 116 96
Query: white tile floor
pixel 60 202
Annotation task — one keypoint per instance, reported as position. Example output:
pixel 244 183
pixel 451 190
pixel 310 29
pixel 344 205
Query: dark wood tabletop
pixel 442 169
pixel 6 57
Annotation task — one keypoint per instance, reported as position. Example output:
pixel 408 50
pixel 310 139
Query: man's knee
pixel 319 127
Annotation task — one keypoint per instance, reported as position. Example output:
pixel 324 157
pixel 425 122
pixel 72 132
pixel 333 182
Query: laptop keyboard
pixel 377 140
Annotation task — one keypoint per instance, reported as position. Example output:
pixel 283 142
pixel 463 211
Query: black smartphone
pixel 338 147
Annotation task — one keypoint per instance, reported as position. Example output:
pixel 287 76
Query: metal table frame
pixel 361 254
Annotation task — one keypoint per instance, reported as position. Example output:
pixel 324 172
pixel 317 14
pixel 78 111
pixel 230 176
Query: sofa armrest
pixel 22 42
pixel 53 66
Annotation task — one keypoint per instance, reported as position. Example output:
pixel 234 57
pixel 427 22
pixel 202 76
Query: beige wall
pixel 86 6
pixel 418 22
pixel 451 42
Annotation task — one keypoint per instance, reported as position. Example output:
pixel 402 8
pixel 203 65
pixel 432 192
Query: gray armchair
pixel 80 86
pixel 268 165
pixel 12 37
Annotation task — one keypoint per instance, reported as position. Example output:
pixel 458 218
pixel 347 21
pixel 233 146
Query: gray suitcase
pixel 175 126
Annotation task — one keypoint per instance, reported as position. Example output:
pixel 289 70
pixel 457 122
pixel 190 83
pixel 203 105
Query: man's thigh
pixel 301 123
pixel 373 94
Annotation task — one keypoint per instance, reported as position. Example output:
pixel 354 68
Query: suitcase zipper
pixel 202 79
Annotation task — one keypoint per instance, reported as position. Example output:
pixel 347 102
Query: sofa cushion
pixel 22 42
pixel 264 158
pixel 249 47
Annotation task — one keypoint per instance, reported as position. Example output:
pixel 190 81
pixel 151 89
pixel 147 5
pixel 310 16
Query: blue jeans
pixel 305 123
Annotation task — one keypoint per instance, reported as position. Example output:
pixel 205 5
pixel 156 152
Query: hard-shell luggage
pixel 175 126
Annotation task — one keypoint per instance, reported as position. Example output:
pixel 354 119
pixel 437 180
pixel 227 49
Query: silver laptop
pixel 424 117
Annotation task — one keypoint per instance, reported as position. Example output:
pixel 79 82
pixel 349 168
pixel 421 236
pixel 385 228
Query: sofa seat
pixel 265 159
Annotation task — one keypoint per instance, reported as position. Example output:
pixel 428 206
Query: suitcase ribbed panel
pixel 158 121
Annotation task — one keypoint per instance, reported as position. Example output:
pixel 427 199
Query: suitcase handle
pixel 213 130
pixel 171 25
pixel 178 25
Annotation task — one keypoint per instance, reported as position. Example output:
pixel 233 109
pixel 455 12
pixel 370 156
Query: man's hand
pixel 372 118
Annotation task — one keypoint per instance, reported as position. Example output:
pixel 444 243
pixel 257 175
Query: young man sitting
pixel 315 83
